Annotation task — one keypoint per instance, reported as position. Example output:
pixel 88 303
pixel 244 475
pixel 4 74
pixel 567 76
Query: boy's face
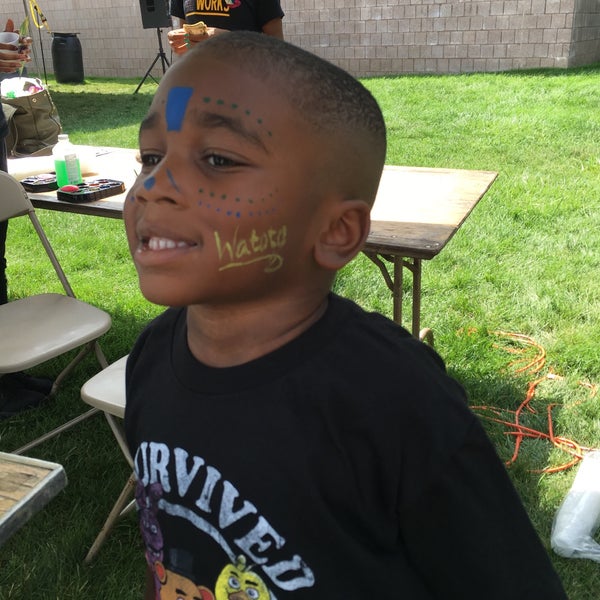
pixel 226 206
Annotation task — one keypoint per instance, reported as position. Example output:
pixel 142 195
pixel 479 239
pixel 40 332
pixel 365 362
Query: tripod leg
pixel 147 74
pixel 161 51
pixel 165 62
pixel 163 58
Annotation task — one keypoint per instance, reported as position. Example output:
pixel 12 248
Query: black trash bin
pixel 67 58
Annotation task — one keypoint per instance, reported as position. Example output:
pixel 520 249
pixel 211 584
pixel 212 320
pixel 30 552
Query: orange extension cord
pixel 515 427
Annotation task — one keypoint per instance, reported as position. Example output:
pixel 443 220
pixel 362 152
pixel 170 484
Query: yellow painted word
pixel 254 248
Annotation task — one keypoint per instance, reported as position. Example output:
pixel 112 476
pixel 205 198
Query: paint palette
pixel 88 191
pixel 46 182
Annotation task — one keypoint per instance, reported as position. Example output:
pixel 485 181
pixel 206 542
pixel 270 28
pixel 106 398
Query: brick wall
pixel 585 42
pixel 373 37
pixel 366 37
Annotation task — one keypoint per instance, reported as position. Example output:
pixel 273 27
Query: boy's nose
pixel 160 184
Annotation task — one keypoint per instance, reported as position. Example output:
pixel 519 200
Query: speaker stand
pixel 159 56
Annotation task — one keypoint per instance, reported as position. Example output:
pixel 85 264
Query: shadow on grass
pixel 593 69
pixel 89 112
pixel 505 391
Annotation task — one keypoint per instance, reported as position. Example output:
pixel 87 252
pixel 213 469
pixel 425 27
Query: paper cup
pixel 9 37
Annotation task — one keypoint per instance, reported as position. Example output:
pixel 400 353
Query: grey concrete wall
pixel 366 37
pixel 585 40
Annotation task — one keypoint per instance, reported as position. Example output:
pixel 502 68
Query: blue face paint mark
pixel 177 102
pixel 149 183
pixel 172 179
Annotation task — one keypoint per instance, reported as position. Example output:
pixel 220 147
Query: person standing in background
pixel 262 16
pixel 11 60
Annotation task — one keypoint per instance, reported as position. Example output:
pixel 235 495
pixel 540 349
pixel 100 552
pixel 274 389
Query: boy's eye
pixel 216 160
pixel 150 160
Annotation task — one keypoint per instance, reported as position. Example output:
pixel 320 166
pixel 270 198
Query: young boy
pixel 286 443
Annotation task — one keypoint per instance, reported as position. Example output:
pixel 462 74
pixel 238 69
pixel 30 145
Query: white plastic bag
pixel 17 87
pixel 579 515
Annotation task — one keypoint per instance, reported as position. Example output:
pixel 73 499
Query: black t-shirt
pixel 245 15
pixel 344 465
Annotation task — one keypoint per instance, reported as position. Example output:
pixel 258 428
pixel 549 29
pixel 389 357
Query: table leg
pixel 397 289
pixel 394 283
pixel 416 296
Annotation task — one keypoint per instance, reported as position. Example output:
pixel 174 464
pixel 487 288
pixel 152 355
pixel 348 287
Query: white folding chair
pixel 105 391
pixel 41 327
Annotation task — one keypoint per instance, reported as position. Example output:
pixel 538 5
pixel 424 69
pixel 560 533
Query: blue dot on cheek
pixel 149 183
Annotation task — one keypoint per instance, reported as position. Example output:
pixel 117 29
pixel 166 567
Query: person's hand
pixel 12 57
pixel 12 60
pixel 181 41
pixel 25 46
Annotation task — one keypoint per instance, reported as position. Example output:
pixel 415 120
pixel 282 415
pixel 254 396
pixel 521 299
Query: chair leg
pixel 100 355
pixel 47 436
pixel 119 433
pixel 118 509
pixel 92 346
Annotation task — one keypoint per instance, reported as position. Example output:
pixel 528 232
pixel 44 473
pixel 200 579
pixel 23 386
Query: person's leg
pixel 3 282
pixel 3 229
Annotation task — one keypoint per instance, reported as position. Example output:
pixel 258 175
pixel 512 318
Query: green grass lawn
pixel 526 261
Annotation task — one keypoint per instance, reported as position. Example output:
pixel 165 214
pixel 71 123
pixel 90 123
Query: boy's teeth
pixel 164 244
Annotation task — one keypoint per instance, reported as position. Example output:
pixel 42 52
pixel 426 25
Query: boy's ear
pixel 343 239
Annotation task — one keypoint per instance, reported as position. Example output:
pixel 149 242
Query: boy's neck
pixel 220 337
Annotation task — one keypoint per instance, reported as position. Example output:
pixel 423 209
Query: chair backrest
pixel 14 202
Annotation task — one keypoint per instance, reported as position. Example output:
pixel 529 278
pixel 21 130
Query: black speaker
pixel 155 13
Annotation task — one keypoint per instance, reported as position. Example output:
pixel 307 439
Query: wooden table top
pixel 26 486
pixel 419 209
pixel 416 212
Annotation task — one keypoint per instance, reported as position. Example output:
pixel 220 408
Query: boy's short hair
pixel 324 95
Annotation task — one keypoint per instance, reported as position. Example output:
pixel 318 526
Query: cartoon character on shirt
pixel 238 582
pixel 175 586
pixel 147 501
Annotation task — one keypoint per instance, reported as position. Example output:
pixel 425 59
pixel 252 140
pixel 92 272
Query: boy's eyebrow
pixel 235 125
pixel 213 121
pixel 149 121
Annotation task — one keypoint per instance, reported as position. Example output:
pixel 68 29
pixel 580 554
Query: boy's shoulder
pixel 348 346
pixel 370 337
pixel 347 335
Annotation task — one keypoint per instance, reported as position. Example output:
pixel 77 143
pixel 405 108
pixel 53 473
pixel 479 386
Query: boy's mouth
pixel 160 243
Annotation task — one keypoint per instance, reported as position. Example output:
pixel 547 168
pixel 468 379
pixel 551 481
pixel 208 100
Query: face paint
pixel 237 207
pixel 177 102
pixel 149 183
pixel 257 247
pixel 172 179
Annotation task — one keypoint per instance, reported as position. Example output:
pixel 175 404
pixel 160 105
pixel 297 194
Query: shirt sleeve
pixel 176 9
pixel 268 10
pixel 469 535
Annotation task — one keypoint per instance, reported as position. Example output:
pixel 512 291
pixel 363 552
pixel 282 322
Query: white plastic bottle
pixel 66 162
